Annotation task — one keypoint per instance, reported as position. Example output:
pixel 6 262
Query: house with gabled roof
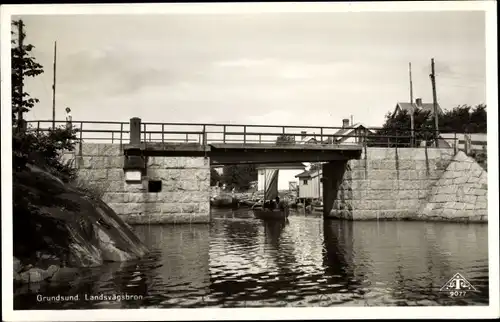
pixel 308 139
pixel 351 134
pixel 417 106
pixel 310 185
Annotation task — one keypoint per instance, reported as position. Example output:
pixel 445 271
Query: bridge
pixel 157 173
pixel 233 143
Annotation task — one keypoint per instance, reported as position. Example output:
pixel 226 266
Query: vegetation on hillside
pixel 396 131
pixel 30 225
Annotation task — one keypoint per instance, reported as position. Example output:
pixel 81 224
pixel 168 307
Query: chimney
pixel 418 101
pixel 345 123
pixel 303 134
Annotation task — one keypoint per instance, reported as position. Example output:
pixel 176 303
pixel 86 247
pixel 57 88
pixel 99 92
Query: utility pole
pixel 412 116
pixel 20 122
pixel 54 89
pixel 434 98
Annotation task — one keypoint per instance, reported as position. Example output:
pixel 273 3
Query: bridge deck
pixel 229 153
pixel 307 147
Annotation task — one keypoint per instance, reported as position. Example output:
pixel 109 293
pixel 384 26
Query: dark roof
pixel 305 174
pixel 425 107
pixel 294 165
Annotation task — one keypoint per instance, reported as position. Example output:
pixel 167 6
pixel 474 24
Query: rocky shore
pixel 58 230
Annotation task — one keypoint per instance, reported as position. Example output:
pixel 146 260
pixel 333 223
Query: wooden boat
pixel 260 210
pixel 268 214
pixel 224 201
pixel 318 209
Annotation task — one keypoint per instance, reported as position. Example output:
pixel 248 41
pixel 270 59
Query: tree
pixel 23 65
pixel 215 177
pixel 42 149
pixel 239 176
pixel 285 139
pixel 396 131
pixel 479 120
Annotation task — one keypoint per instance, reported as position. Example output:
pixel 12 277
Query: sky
pixel 255 68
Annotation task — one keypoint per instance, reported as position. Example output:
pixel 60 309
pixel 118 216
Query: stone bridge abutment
pixel 406 184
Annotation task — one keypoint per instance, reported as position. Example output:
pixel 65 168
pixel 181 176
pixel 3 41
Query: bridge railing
pixel 119 133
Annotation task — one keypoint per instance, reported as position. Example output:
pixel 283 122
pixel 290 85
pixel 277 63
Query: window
pixel 154 185
pixel 304 182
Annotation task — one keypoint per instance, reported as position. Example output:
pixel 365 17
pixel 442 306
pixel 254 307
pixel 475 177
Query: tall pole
pixel 412 116
pixel 434 99
pixel 54 89
pixel 21 53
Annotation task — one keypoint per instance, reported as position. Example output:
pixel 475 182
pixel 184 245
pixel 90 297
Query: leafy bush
pixel 45 150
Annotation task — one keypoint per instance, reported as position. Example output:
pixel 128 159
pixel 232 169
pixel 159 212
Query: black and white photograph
pixel 249 161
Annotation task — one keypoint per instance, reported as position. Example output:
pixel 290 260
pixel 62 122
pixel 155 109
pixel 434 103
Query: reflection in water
pixel 240 261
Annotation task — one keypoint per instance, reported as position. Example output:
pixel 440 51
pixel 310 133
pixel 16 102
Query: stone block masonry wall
pixel 385 183
pixel 460 194
pixel 184 196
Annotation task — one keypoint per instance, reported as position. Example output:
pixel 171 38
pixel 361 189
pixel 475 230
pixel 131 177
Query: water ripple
pixel 242 262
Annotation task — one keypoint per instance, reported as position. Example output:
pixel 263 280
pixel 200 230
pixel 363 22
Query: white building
pixel 287 174
pixel 310 185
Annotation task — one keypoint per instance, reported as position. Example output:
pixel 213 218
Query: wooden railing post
pixel 224 135
pixel 80 143
pixel 455 143
pixel 244 134
pixel 163 134
pixel 121 135
pixel 204 135
pixel 112 137
pixel 321 135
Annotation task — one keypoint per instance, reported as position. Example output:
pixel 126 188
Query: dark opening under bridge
pixel 234 143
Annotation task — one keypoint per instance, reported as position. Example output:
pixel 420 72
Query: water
pixel 238 261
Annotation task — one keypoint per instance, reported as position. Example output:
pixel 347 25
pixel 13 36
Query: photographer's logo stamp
pixel 458 286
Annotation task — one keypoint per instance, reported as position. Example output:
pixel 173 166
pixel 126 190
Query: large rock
pixel 57 220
